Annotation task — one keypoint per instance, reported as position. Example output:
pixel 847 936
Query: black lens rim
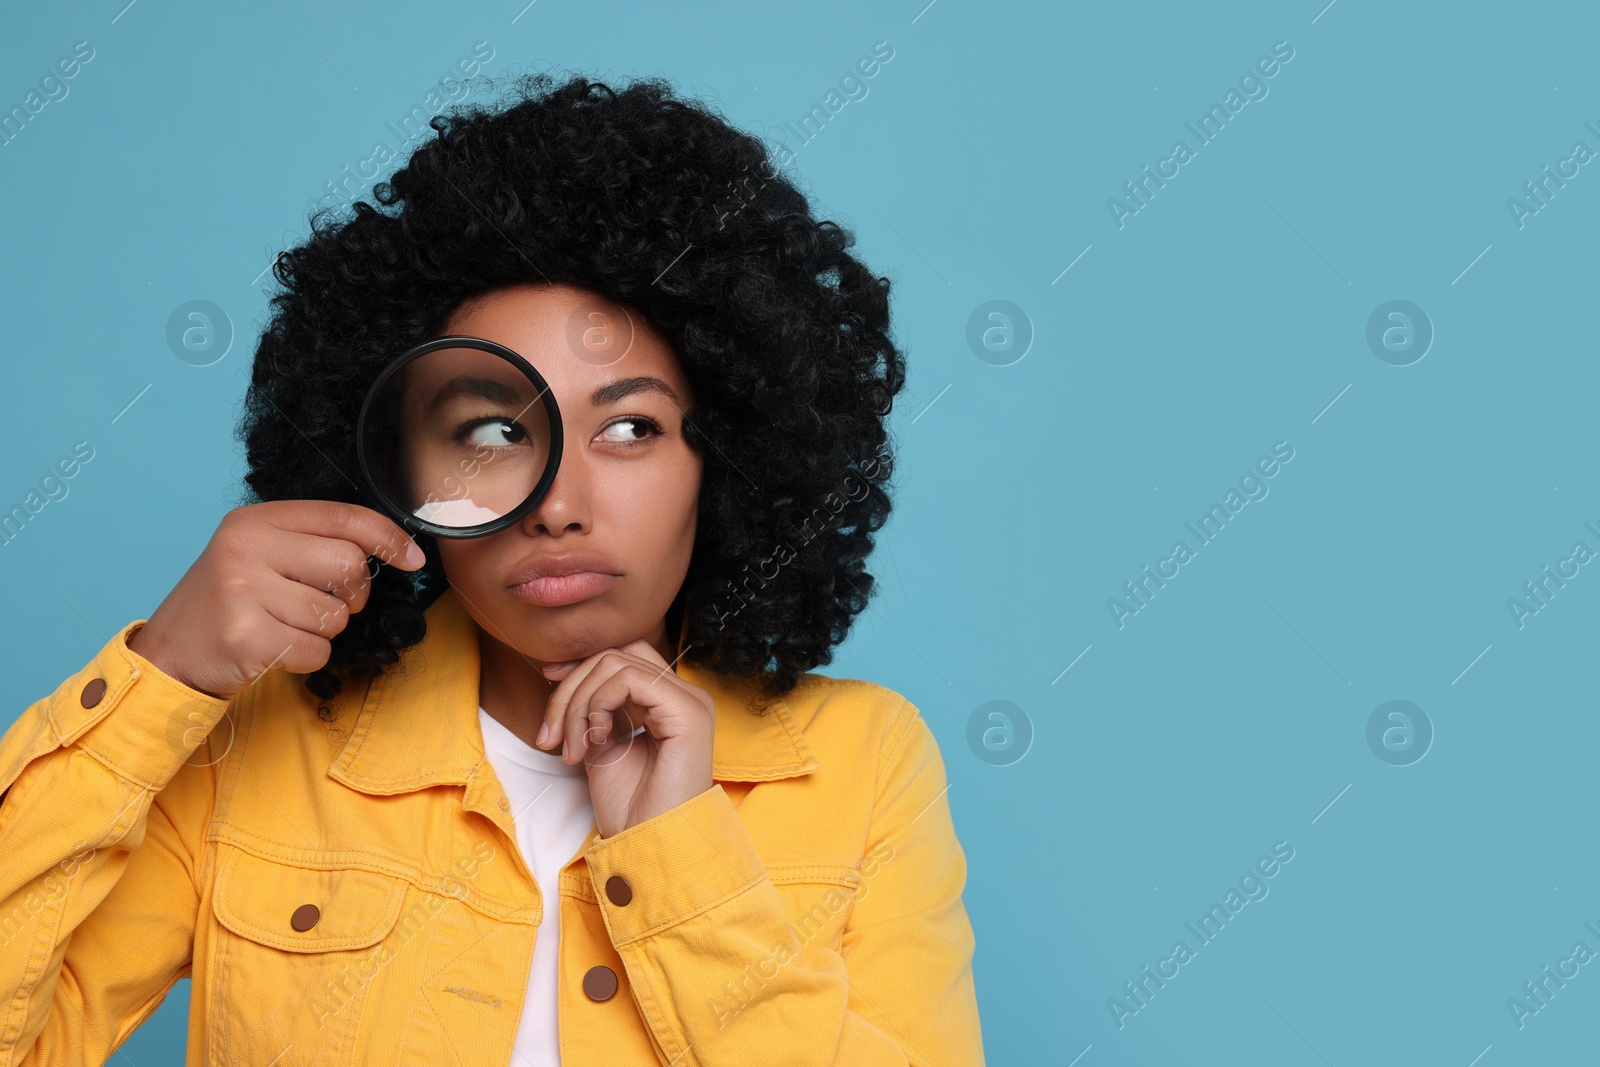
pixel 459 533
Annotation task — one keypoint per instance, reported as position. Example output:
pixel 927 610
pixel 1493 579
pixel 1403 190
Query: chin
pixel 548 639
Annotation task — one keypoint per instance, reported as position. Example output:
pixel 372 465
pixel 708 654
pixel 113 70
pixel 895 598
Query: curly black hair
pixel 659 204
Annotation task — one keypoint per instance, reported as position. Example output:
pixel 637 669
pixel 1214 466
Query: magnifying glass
pixel 459 437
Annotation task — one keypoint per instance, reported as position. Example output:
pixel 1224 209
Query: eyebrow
pixel 624 387
pixel 499 392
pixel 472 385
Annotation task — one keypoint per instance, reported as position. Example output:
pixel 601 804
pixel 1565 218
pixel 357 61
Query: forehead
pixel 577 338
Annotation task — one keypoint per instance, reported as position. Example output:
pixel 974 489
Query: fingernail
pixel 414 554
pixel 544 734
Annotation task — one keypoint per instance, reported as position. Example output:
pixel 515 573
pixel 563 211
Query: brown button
pixel 92 693
pixel 305 917
pixel 618 890
pixel 505 805
pixel 600 982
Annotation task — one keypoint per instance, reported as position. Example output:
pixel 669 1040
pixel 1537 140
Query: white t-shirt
pixel 553 816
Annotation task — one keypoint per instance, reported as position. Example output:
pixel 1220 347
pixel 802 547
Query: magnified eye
pixel 493 433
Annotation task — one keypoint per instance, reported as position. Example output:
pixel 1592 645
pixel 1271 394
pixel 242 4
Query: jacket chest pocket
pixel 299 953
pixel 817 898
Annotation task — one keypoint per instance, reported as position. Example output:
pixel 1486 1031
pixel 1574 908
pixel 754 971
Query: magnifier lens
pixel 458 437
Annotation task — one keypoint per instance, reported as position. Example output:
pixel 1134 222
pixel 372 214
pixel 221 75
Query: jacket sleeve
pixel 100 834
pixel 720 974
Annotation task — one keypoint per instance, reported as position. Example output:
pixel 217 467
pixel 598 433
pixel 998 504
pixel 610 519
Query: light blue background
pixel 1224 317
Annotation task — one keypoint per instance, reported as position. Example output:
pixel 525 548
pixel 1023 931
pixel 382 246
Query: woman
pixel 569 792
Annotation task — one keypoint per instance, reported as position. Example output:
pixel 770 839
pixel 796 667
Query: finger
pixel 557 672
pixel 306 609
pixel 561 698
pixel 612 705
pixel 644 650
pixel 597 733
pixel 618 736
pixel 575 714
pixel 375 534
pixel 554 726
pixel 324 564
pixel 302 652
pixel 555 708
pixel 635 692
pixel 631 687
pixel 601 726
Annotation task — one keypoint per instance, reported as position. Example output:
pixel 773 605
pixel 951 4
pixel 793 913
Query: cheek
pixel 654 515
pixel 464 564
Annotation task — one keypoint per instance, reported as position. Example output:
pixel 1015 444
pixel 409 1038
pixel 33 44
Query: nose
pixel 566 507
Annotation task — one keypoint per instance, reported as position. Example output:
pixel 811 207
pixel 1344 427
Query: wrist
pixel 151 652
pixel 646 816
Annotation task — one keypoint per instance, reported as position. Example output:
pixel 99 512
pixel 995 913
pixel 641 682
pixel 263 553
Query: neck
pixel 513 691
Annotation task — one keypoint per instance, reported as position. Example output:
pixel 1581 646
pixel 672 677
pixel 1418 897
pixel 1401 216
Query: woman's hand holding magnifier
pixel 273 586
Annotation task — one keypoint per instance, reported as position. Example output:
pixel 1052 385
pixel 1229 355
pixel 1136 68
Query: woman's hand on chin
pixel 592 714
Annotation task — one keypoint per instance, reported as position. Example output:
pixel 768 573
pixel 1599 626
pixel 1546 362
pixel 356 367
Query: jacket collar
pixel 418 724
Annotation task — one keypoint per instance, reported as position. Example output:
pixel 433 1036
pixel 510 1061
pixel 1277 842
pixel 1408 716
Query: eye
pixel 632 429
pixel 492 433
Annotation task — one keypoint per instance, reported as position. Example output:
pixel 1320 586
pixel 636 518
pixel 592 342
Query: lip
pixel 555 590
pixel 554 579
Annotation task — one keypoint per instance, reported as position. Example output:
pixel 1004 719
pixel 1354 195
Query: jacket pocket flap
pixel 802 873
pixel 303 909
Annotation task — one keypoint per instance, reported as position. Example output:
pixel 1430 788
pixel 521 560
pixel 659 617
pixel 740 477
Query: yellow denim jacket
pixel 352 892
